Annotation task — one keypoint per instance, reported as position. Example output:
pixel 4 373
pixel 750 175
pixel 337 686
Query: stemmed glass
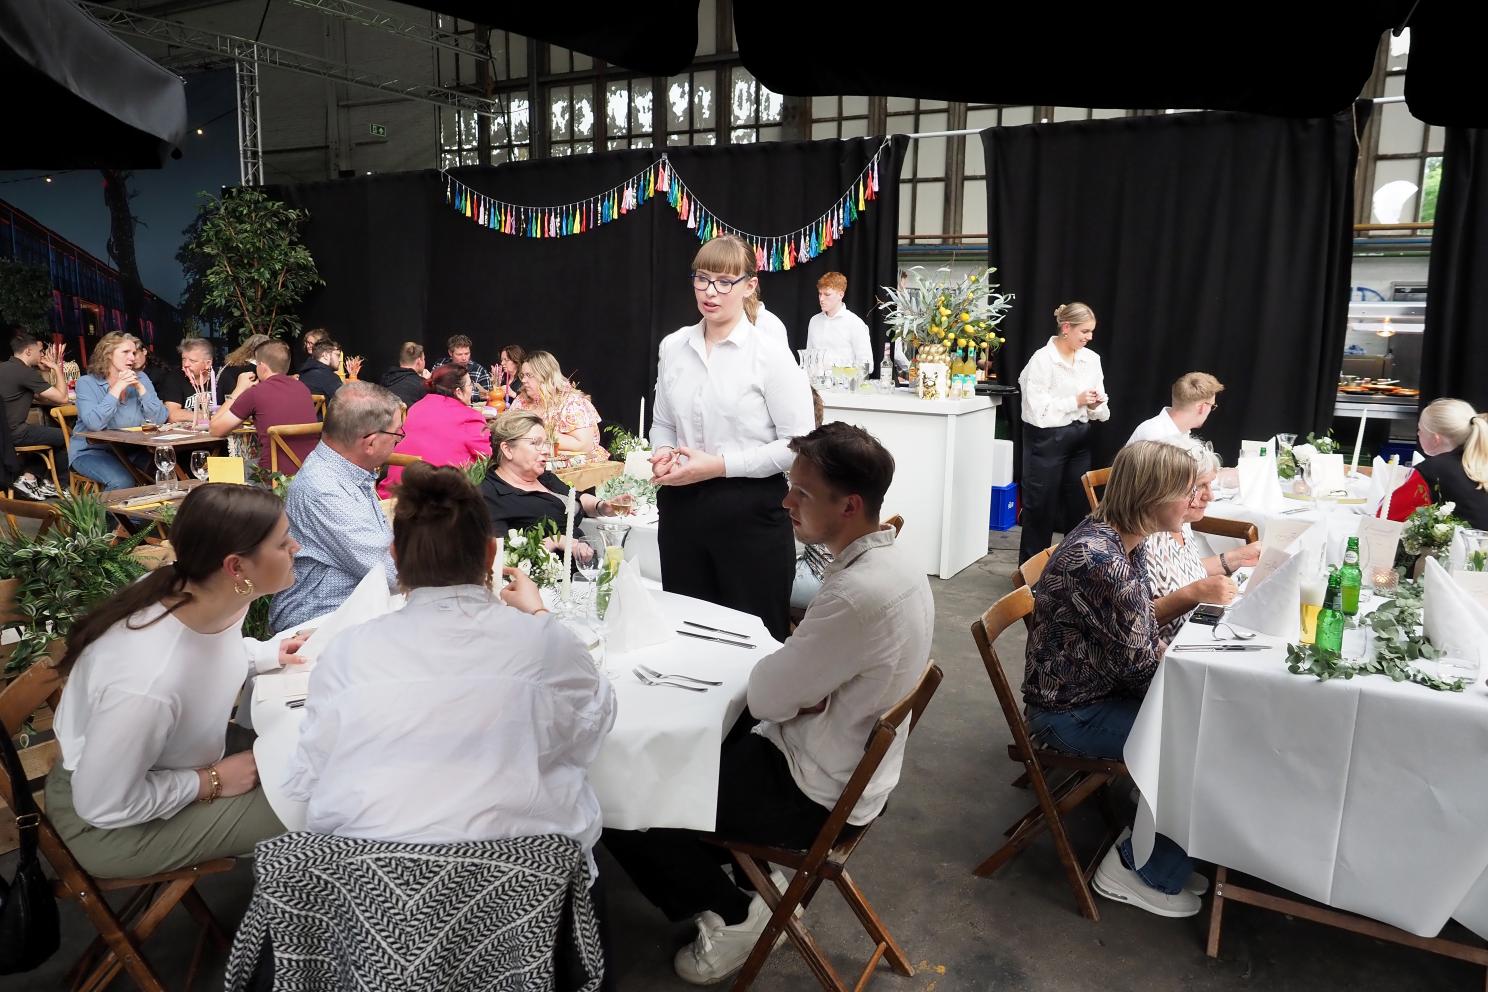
pixel 199 464
pixel 165 468
pixel 590 571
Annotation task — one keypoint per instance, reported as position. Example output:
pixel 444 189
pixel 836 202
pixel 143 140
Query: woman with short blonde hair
pixel 112 396
pixel 1095 647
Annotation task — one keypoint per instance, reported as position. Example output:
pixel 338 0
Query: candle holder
pixel 1384 580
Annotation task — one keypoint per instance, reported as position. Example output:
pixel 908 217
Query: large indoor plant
pixel 246 265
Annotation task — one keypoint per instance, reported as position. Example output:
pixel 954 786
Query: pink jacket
pixel 442 431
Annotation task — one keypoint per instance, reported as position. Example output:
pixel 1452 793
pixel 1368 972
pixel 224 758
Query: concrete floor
pixel 1016 931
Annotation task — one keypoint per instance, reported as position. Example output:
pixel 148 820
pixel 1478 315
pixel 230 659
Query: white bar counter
pixel 942 469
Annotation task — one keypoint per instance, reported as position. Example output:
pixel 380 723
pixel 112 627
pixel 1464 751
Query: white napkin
pixel 1386 478
pixel 1453 623
pixel 1327 474
pixel 368 601
pixel 1259 488
pixel 634 619
pixel 1274 605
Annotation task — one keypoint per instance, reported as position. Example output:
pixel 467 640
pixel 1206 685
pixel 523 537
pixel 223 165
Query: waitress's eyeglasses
pixel 722 285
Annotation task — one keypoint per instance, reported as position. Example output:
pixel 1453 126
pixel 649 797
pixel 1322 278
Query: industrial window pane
pixel 1430 188
pixel 640 106
pixel 743 135
pixel 560 119
pixel 679 139
pixel 930 155
pixel 1393 203
pixel 704 89
pixel 770 132
pixel 1071 114
pixel 901 123
pixel 705 138
pixel 743 94
pixel 582 62
pixel 516 47
pixel 559 59
pixel 855 128
pixel 929 208
pixel 855 106
pixel 1016 115
pixel 982 118
pixel 974 207
pixel 1400 133
pixel 679 99
pixel 823 130
pixel 976 160
pixel 1107 113
pixel 707 27
pixel 583 111
pixel 906 203
pixel 899 104
pixel 617 107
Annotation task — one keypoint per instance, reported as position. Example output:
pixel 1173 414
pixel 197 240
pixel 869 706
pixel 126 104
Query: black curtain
pixel 400 264
pixel 1454 350
pixel 1214 242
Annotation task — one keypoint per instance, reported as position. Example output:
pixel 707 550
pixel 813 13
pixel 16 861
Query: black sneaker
pixel 28 488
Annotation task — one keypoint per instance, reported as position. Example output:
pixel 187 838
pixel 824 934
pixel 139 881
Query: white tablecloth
pixel 1365 795
pixel 659 765
pixel 641 546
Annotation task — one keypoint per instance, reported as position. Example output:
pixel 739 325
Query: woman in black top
pixel 1454 438
pixel 237 363
pixel 519 490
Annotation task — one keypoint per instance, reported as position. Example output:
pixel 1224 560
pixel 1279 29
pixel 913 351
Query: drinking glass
pixel 1476 543
pixel 1465 664
pixel 165 468
pixel 1286 440
pixel 199 465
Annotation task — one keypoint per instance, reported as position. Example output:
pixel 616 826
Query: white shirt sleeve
pixel 809 667
pixel 1049 409
pixel 813 331
pixel 318 731
pixel 1101 410
pixel 663 420
pixel 588 713
pixel 862 344
pixel 788 400
pixel 114 783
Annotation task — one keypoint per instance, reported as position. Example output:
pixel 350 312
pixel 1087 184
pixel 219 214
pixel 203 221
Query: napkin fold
pixel 368 601
pixel 1259 488
pixel 634 619
pixel 1453 623
pixel 1274 606
pixel 1383 481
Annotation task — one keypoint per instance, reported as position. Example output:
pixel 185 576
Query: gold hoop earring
pixel 243 586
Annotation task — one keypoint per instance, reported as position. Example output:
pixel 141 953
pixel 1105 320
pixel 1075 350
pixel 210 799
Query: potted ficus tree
pixel 245 265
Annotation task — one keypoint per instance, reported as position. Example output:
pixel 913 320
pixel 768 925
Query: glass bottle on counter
pixel 1330 620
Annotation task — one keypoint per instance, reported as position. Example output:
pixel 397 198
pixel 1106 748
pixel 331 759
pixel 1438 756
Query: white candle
pixel 642 435
pixel 1359 440
pixel 568 506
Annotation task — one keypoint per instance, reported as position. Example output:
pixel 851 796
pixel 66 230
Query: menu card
pixel 1377 542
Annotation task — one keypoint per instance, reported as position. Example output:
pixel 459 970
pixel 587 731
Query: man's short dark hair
pixel 21 339
pixel 850 460
pixel 457 341
pixel 324 347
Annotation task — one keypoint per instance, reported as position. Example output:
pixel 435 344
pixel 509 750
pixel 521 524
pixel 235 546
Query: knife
pixel 1220 647
pixel 720 640
pixel 716 630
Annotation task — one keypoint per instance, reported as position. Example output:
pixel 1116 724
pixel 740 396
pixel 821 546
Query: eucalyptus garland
pixel 1397 644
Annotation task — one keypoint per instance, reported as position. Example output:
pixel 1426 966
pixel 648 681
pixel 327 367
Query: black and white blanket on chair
pixel 339 914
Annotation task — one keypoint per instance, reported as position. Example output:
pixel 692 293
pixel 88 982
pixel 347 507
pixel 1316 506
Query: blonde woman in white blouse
pixel 1064 391
pixel 153 672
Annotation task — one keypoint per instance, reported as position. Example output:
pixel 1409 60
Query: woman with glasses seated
pixel 563 407
pixel 1095 647
pixel 1179 577
pixel 728 402
pixel 520 492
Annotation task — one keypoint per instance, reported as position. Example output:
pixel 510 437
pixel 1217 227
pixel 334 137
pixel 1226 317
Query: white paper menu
pixel 1377 542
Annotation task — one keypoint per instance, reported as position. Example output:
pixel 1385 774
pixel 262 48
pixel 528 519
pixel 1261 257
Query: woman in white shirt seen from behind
pixel 728 401
pixel 462 716
pixel 153 672
pixel 1064 391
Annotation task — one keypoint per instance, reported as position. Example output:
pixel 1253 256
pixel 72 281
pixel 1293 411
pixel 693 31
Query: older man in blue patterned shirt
pixel 333 508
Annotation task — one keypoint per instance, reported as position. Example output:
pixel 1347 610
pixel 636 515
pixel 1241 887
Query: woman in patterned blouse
pixel 1179 578
pixel 1095 647
pixel 566 410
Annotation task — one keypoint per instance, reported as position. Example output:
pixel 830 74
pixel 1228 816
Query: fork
pixel 648 680
pixel 686 678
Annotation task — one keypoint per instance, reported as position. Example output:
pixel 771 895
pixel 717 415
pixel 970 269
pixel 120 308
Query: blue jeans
pixel 1100 731
pixel 103 467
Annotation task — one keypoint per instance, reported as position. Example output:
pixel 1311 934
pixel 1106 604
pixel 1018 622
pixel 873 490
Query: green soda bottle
pixel 1330 618
pixel 1350 578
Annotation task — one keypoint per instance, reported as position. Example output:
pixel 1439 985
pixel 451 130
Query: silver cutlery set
pixel 650 676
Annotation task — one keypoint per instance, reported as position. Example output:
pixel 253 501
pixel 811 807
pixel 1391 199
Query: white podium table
pixel 942 469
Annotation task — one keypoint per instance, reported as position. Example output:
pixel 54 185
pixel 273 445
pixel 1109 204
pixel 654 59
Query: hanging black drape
pixel 399 264
pixel 1214 242
pixel 1454 348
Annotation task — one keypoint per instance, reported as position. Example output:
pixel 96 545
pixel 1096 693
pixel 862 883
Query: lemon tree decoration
pixel 958 315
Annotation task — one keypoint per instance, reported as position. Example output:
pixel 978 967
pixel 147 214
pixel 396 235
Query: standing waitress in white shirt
pixel 728 402
pixel 1063 390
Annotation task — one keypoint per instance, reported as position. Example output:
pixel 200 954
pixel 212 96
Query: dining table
pixel 659 765
pixel 181 437
pixel 1361 795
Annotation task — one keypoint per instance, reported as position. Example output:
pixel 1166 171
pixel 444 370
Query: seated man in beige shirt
pixel 864 642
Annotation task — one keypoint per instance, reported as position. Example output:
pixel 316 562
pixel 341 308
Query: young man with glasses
pixel 272 398
pixel 333 507
pixel 1194 398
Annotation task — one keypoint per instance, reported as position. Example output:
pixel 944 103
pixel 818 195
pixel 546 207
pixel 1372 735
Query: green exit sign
pixel 378 130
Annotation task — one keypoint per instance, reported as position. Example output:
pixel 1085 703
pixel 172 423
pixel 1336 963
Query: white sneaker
pixel 47 490
pixel 1117 882
pixel 1197 884
pixel 719 950
pixel 26 485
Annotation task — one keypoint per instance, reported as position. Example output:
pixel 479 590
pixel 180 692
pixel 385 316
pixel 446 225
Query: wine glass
pixel 165 468
pixel 199 464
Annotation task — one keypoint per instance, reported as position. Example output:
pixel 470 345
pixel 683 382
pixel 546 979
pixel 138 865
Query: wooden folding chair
pixel 1090 481
pixel 1240 530
pixel 77 483
pixel 1027 574
pixel 47 513
pixel 826 861
pixel 320 402
pixel 1080 778
pixel 121 932
pixel 398 458
pixel 896 522
pixel 48 457
pixel 278 443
